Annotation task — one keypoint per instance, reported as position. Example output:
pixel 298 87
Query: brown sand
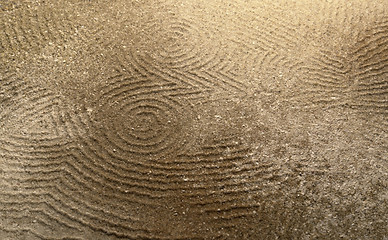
pixel 193 119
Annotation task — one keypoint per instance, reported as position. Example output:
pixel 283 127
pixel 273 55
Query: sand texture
pixel 193 119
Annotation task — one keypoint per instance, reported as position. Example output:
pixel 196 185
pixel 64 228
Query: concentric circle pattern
pixel 177 120
pixel 175 44
pixel 149 127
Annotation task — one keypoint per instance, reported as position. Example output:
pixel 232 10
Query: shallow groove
pixel 193 120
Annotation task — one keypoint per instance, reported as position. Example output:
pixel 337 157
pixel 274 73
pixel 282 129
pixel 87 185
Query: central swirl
pixel 175 44
pixel 146 127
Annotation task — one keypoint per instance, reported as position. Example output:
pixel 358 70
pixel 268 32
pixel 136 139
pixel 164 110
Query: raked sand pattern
pixel 194 119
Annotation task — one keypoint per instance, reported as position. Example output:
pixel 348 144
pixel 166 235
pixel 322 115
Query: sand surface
pixel 193 119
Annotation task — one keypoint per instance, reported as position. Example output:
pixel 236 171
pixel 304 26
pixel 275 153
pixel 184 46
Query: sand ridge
pixel 193 119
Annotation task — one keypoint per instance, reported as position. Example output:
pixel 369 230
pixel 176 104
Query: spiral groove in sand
pixel 151 129
pixel 193 119
pixel 176 43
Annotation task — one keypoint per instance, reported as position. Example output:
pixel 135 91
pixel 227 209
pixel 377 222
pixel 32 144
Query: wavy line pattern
pixel 350 75
pixel 357 81
pixel 218 121
pixel 181 52
pixel 371 91
pixel 26 29
pixel 61 179
pixel 42 163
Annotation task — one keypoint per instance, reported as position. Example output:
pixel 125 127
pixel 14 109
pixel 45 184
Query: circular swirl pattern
pixel 175 44
pixel 72 161
pixel 147 127
pixel 136 121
